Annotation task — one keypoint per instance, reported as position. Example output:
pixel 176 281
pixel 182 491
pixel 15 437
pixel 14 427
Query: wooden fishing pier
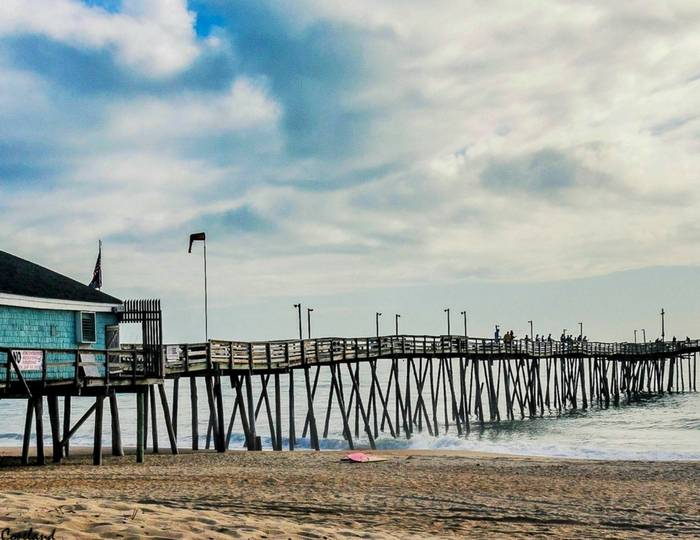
pixel 388 386
pixel 59 339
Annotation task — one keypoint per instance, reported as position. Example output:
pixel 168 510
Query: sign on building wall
pixel 172 353
pixel 29 360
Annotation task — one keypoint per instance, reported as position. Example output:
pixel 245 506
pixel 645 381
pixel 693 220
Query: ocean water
pixel 656 428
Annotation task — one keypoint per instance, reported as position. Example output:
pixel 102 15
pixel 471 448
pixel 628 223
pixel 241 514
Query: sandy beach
pixel 414 494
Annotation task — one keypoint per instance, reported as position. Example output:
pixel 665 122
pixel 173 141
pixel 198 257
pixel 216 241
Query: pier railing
pixel 286 354
pixel 80 366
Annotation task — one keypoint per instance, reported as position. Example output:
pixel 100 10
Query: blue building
pixel 42 310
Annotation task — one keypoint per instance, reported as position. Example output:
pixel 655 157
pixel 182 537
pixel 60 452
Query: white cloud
pixel 245 106
pixel 155 37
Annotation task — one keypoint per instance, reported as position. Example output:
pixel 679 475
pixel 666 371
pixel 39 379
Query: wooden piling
pixel 278 413
pixel 27 431
pixel 66 424
pixel 176 402
pixel 168 421
pixel 154 421
pixel 292 428
pixel 39 419
pixel 140 424
pixel 194 416
pixel 97 446
pixel 311 417
pixel 117 449
pixel 252 445
pixel 52 401
pixel 221 446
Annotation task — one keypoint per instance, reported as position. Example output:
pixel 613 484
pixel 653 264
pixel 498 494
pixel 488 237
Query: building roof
pixel 23 278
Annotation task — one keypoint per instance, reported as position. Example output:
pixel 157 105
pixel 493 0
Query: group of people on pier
pixel 509 338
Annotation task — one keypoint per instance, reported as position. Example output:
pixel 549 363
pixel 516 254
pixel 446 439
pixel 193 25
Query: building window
pixel 86 327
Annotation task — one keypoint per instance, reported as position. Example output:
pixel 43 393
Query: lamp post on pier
pixel 298 308
pixel 532 331
pixel 396 320
pixel 377 321
pixel 194 237
pixel 580 327
pixel 447 310
pixel 663 325
pixel 464 314
pixel 308 320
pixel 635 336
pixel 644 335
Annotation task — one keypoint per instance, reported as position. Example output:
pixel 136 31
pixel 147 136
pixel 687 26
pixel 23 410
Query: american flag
pixel 96 282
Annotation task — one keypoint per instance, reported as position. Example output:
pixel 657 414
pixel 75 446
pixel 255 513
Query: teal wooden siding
pixel 47 329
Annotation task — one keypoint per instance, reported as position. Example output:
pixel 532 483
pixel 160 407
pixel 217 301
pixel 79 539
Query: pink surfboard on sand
pixel 360 457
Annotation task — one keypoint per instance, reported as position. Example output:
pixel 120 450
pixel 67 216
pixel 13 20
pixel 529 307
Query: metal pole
pixel 301 334
pixel 447 310
pixel 532 331
pixel 397 323
pixel 464 314
pixel 635 336
pixel 308 320
pixel 581 329
pixel 377 321
pixel 663 325
pixel 206 299
pixel 644 333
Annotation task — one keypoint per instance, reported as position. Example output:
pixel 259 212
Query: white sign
pixel 29 360
pixel 88 362
pixel 172 353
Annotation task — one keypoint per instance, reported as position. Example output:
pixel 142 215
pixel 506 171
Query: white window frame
pixel 80 338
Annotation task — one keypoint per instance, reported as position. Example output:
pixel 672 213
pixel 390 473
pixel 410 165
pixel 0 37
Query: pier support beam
pixel 55 428
pixel 27 431
pixel 176 399
pixel 311 417
pixel 39 414
pixel 221 442
pixel 195 419
pixel 140 424
pixel 292 430
pixel 117 449
pixel 252 437
pixel 168 423
pixel 97 446
pixel 66 424
pixel 154 421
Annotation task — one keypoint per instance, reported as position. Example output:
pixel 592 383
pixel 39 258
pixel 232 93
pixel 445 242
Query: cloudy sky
pixel 521 160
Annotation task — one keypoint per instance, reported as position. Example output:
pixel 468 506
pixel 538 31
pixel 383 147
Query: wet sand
pixel 414 494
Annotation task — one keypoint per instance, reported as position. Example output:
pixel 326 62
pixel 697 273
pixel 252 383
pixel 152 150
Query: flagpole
pixel 206 300
pixel 101 274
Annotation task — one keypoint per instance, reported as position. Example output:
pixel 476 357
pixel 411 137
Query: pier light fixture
pixel 377 315
pixel 397 317
pixel 580 328
pixel 663 325
pixel 635 336
pixel 298 308
pixel 202 237
pixel 532 331
pixel 644 335
pixel 464 314
pixel 447 311
pixel 308 320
